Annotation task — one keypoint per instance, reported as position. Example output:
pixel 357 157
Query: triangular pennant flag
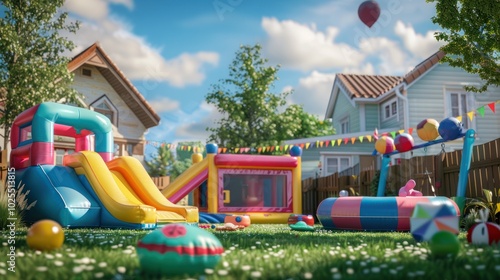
pixel 401 131
pixel 492 106
pixel 369 137
pixel 393 134
pixel 327 142
pixel 459 118
pixel 353 139
pixel 236 150
pixel 345 140
pixel 278 148
pixel 272 148
pixel 471 115
pixel 259 149
pixel 410 130
pixel 301 145
pixel 321 143
pixel 224 150
pixel 317 144
pixel 339 141
pixel 360 139
pixel 189 148
pixel 219 150
pixel 307 145
pixel 286 147
pixel 480 110
pixel 333 142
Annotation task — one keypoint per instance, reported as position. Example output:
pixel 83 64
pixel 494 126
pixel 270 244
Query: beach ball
pixel 430 217
pixel 385 145
pixel 484 233
pixel 427 129
pixel 444 243
pixel 451 129
pixel 178 249
pixel 404 142
pixel 45 235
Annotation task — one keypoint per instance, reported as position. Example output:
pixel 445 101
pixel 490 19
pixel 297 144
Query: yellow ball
pixel 45 235
pixel 196 157
pixel 385 145
pixel 427 129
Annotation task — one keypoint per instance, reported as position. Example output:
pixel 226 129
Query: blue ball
pixel 451 129
pixel 295 151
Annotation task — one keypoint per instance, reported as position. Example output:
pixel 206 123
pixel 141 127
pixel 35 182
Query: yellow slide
pixel 187 181
pixel 132 174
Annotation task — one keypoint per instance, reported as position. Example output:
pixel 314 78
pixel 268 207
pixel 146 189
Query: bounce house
pixel 92 188
pixel 393 213
pixel 266 188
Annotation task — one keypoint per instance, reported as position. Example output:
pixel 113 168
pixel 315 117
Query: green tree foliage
pixel 161 163
pixel 472 30
pixel 251 115
pixel 32 68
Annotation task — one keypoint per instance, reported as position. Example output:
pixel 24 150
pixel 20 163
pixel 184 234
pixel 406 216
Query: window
pixel 336 164
pixel 390 109
pixel 344 125
pixel 104 106
pixel 130 149
pixel 459 107
pixel 86 72
pixel 60 153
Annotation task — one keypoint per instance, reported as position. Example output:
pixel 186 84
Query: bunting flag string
pixel 478 112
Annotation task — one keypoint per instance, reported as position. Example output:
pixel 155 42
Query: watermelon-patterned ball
pixel 427 129
pixel 404 142
pixel 178 249
pixel 484 233
pixel 385 145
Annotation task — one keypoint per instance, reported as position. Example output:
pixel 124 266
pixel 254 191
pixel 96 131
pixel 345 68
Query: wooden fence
pixel 434 175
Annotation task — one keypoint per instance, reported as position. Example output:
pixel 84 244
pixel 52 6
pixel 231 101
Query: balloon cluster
pixel 427 130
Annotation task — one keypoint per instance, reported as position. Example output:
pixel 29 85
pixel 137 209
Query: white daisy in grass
pixel 42 268
pixel 77 269
pixel 350 271
pixel 2 271
pixel 2 264
pixel 362 263
pixel 127 251
pixel 222 272
pixel 308 275
pixel 102 264
pixel 236 262
pixel 20 254
pixel 98 275
pixel 334 270
pixel 252 247
pixel 337 276
pixel 467 266
pixel 366 271
pixel 481 267
pixel 59 255
pixel 257 242
pixel 246 267
pixel 4 244
pixel 497 267
pixel 256 274
pixel 375 269
pixel 68 249
pixel 209 271
pixel 37 252
pixel 49 256
pixel 348 262
pixel 121 269
pixel 114 247
pixel 393 271
pixel 420 273
pixel 58 263
pixel 89 267
pixel 71 255
pixel 232 248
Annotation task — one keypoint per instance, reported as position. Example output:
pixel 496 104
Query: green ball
pixel 444 243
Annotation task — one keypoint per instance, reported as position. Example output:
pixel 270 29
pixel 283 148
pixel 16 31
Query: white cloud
pixel 391 59
pixel 302 47
pixel 164 105
pixel 94 9
pixel 133 54
pixel 420 45
pixel 313 92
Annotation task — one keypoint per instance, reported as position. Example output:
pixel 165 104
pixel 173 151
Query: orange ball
pixel 427 129
pixel 45 235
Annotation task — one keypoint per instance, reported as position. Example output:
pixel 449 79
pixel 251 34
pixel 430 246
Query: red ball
pixel 404 142
pixel 484 233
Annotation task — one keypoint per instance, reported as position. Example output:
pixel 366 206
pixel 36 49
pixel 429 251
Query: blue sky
pixel 173 50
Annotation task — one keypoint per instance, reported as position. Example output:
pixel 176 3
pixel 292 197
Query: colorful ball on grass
pixel 427 129
pixel 45 235
pixel 484 233
pixel 451 129
pixel 178 249
pixel 444 243
pixel 404 142
pixel 385 145
pixel 429 218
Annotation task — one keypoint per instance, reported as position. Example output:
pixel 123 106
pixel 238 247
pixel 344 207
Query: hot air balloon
pixel 368 12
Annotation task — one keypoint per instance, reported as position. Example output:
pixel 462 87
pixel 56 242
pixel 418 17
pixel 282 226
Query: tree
pixel 161 163
pixel 472 37
pixel 251 115
pixel 32 68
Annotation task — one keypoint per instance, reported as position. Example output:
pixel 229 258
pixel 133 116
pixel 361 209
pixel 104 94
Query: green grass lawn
pixel 258 252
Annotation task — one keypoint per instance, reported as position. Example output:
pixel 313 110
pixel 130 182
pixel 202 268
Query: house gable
pixel 96 57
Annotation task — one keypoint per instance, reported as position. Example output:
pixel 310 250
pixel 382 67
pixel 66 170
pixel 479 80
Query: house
pixel 105 89
pixel 364 106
